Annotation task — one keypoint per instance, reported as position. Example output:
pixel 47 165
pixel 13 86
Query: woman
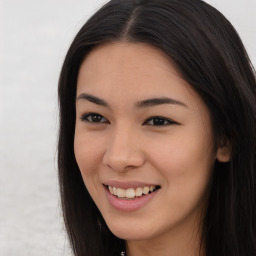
pixel 157 133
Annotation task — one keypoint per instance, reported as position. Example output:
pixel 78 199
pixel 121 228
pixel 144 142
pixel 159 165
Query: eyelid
pixel 167 121
pixel 170 121
pixel 85 117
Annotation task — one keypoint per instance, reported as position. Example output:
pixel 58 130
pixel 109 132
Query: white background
pixel 34 37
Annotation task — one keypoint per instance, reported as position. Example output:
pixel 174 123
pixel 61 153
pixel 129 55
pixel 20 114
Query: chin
pixel 130 232
pixel 129 236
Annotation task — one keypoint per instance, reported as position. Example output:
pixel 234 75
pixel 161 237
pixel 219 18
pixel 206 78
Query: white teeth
pixel 131 192
pixel 120 192
pixel 114 191
pixel 145 190
pixel 138 192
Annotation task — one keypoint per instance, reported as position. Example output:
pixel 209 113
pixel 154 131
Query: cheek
pixel 185 162
pixel 88 156
pixel 182 153
pixel 88 153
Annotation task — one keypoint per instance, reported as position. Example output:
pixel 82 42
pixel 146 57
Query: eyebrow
pixel 93 99
pixel 141 104
pixel 159 101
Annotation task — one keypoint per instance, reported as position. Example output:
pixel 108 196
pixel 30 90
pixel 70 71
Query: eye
pixel 159 121
pixel 94 118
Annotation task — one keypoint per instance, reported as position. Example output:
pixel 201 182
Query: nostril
pixel 123 160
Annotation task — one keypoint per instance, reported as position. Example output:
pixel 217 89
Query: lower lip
pixel 130 204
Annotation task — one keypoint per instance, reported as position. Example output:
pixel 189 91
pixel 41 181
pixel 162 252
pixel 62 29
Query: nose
pixel 123 151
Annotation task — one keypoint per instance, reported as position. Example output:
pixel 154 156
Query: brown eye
pixel 159 121
pixel 94 118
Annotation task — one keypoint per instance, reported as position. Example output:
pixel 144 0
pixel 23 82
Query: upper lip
pixel 127 184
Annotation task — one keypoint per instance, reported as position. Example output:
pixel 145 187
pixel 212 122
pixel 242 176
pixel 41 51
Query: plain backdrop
pixel 34 37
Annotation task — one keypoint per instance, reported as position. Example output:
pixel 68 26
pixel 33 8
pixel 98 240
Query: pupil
pixel 96 118
pixel 158 121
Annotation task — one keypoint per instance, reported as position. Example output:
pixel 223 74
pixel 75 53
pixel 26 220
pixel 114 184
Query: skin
pixel 126 145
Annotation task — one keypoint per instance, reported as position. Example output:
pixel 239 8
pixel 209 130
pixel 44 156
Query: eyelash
pixel 164 121
pixel 90 115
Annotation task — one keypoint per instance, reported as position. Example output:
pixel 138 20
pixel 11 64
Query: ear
pixel 223 154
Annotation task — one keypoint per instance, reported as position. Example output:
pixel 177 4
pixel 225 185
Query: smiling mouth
pixel 132 193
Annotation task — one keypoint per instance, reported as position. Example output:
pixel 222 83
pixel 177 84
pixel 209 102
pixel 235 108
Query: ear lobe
pixel 223 154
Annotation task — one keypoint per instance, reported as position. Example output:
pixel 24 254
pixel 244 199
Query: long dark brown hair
pixel 210 56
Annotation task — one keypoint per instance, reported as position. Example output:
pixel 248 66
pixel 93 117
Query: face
pixel 143 141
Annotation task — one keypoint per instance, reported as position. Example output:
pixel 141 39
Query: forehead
pixel 125 63
pixel 131 71
pixel 126 54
